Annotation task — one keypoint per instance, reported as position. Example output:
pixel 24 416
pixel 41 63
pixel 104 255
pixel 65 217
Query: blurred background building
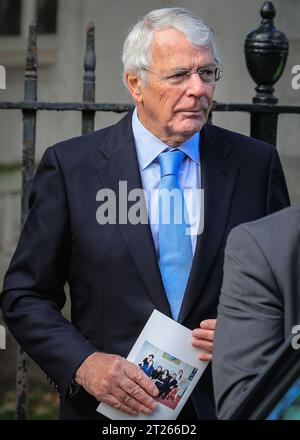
pixel 61 43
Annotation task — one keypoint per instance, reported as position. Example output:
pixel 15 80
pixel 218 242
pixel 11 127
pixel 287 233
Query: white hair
pixel 137 47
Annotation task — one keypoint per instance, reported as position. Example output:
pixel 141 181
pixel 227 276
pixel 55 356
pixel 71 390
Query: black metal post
pixel 88 116
pixel 266 51
pixel 29 125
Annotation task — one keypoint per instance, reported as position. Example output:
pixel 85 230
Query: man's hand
pixel 203 338
pixel 117 382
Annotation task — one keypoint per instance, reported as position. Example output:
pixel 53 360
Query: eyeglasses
pixel 208 74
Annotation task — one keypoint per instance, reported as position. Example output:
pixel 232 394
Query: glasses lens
pixel 178 78
pixel 207 74
pixel 210 73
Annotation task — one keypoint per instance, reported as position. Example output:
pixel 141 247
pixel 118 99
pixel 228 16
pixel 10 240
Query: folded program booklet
pixel 164 352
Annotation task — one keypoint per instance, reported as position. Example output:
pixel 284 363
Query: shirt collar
pixel 150 147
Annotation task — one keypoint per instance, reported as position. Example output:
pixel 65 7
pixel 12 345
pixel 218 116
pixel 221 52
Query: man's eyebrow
pixel 188 68
pixel 179 69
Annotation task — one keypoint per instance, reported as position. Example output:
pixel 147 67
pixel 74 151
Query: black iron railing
pixel 266 51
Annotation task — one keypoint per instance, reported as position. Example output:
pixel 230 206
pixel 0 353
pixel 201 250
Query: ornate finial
pixel 266 51
pixel 268 11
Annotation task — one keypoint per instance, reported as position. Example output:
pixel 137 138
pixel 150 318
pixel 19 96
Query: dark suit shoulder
pixel 81 145
pixel 235 137
pixel 240 145
pixel 82 149
pixel 81 152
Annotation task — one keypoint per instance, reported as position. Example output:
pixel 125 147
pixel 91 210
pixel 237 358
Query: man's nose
pixel 196 86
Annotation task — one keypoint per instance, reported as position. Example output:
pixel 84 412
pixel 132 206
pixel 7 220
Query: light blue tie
pixel 175 247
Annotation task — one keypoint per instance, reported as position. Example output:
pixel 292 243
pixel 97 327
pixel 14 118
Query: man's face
pixel 173 113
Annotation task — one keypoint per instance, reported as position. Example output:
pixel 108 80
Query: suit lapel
pixel 118 162
pixel 218 177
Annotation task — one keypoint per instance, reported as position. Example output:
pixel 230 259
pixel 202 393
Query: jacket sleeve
pixel 33 292
pixel 277 192
pixel 250 320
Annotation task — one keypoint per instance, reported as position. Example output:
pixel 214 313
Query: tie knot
pixel 170 162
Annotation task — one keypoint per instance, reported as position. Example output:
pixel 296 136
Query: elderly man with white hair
pixel 121 267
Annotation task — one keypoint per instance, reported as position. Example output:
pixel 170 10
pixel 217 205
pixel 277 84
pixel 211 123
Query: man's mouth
pixel 193 112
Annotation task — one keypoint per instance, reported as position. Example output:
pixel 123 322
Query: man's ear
pixel 134 86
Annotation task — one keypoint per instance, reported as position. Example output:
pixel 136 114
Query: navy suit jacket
pixel 112 270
